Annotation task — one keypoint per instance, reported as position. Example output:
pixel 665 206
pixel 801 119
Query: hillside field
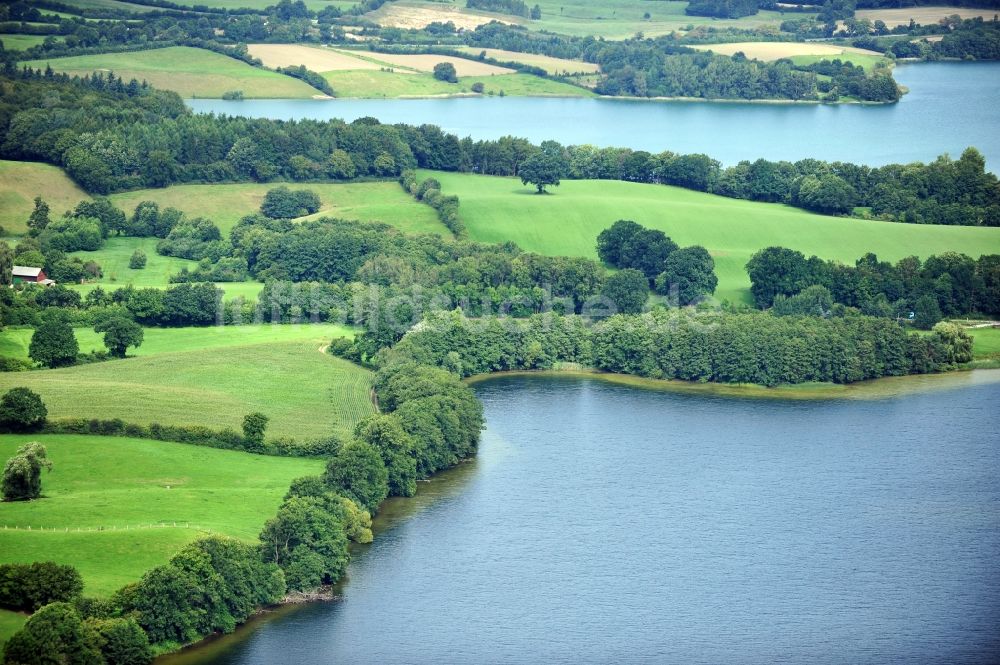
pixel 801 53
pixel 191 72
pixel 379 84
pixel 548 63
pixel 21 182
pixel 17 42
pixel 306 394
pixel 109 483
pixel 568 220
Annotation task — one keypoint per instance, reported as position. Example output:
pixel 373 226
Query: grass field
pixel 611 19
pixel 226 204
pixel 111 483
pixel 801 53
pixel 922 15
pixel 231 290
pixel 115 255
pixel 568 221
pixel 21 182
pixel 313 57
pixel 549 64
pixel 10 623
pixel 307 394
pixel 21 42
pixel 985 343
pixel 386 85
pixel 426 62
pixel 191 72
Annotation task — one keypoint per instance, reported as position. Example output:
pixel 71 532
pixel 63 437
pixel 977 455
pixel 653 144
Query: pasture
pixel 801 53
pixel 21 182
pixel 109 483
pixel 191 72
pixel 313 57
pixel 922 15
pixel 426 63
pixel 548 63
pixel 14 42
pixel 567 221
pixel 985 343
pixel 307 394
pixel 225 204
pixel 115 255
pixel 394 84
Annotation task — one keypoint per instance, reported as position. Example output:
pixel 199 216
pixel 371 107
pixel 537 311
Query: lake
pixel 603 523
pixel 950 106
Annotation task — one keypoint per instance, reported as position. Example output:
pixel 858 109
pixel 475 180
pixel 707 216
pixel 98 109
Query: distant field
pixel 986 343
pixel 313 57
pixel 387 85
pixel 549 64
pixel 568 220
pixel 231 290
pixel 922 15
pixel 307 394
pixel 21 182
pixel 112 4
pixel 225 204
pixel 799 52
pixel 111 483
pixel 191 72
pixel 611 19
pixel 22 42
pixel 156 341
pixel 426 63
pixel 115 255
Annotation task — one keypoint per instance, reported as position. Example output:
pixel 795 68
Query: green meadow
pixel 21 182
pixel 115 255
pixel 191 72
pixel 225 204
pixel 13 42
pixel 10 623
pixel 376 84
pixel 985 343
pixel 567 221
pixel 307 394
pixel 98 486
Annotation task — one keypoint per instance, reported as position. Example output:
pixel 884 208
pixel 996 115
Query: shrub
pixel 138 260
pixel 445 71
pixel 22 409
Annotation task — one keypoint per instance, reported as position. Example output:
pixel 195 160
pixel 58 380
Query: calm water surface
pixel 950 107
pixel 603 523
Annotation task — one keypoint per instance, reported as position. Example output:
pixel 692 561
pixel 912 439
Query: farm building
pixel 30 274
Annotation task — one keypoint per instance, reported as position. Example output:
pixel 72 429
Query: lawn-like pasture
pixel 985 343
pixel 115 255
pixel 611 19
pixel 548 63
pixel 312 57
pixel 191 72
pixel 10 623
pixel 111 483
pixel 800 52
pixel 21 182
pixel 398 83
pixel 225 204
pixel 567 221
pixel 307 394
pixel 14 42
pixel 14 341
pixel 922 15
pixel 231 290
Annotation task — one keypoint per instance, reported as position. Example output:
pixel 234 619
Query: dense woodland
pixel 112 135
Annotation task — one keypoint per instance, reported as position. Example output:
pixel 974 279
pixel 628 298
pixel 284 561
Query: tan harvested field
pixel 776 50
pixel 922 15
pixel 316 59
pixel 401 15
pixel 425 63
pixel 549 64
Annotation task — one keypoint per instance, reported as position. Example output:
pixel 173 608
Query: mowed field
pixel 101 485
pixel 21 42
pixel 21 182
pixel 115 255
pixel 922 15
pixel 798 52
pixel 611 19
pixel 307 394
pixel 402 84
pixel 567 222
pixel 191 72
pixel 548 63
pixel 426 63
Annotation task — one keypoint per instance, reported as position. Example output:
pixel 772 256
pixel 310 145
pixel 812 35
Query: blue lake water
pixel 950 106
pixel 603 523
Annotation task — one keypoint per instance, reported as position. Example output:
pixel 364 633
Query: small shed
pixel 29 274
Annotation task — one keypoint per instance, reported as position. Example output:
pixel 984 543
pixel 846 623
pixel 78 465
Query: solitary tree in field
pixel 120 332
pixel 138 260
pixel 21 409
pixel 543 168
pixel 22 475
pixel 254 426
pixel 53 343
pixel 445 71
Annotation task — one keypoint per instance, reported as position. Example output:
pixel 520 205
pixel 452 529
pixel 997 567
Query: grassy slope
pixel 306 394
pixel 191 72
pixel 568 221
pixel 13 42
pixel 14 341
pixel 986 343
pixel 115 255
pixel 226 204
pixel 548 63
pixel 21 182
pixel 375 84
pixel 111 482
pixel 868 62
